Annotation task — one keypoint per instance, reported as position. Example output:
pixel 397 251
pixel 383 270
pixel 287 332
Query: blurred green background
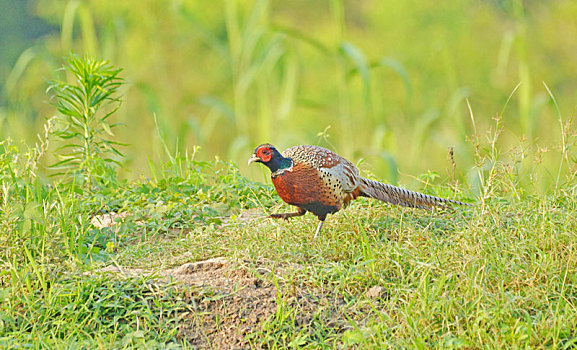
pixel 383 81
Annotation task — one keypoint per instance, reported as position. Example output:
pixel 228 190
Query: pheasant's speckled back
pixel 335 171
pixel 316 156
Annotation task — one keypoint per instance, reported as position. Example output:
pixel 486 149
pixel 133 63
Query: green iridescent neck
pixel 279 163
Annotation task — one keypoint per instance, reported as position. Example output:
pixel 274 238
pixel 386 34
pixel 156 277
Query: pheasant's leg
pixel 286 216
pixel 319 227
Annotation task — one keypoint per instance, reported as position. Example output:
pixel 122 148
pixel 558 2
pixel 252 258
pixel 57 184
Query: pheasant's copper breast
pixel 318 176
pixel 302 185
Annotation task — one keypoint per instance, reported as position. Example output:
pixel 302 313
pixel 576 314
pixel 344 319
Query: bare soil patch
pixel 230 303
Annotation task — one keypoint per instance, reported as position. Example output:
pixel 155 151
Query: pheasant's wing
pixel 337 172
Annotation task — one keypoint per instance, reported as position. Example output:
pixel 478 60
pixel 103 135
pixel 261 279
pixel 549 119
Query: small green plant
pixel 86 103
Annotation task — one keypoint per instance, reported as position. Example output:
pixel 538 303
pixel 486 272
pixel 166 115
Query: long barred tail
pixel 400 196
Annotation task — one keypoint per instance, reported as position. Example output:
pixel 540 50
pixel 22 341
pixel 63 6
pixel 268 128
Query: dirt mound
pixel 232 303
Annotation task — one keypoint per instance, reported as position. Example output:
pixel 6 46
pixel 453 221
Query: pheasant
pixel 318 180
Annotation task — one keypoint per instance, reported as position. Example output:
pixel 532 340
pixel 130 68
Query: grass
pixel 384 76
pixel 93 312
pixel 500 274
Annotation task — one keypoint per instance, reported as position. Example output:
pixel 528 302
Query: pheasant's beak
pixel 253 159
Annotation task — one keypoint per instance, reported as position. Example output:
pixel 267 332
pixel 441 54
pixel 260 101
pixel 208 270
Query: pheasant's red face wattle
pixel 264 153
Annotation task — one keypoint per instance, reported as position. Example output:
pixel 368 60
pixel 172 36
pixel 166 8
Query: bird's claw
pixel 279 216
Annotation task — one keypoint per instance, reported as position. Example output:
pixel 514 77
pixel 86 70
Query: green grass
pixel 383 76
pixel 500 274
pixel 100 311
pixel 407 80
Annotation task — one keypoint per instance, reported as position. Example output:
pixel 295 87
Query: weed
pixel 85 106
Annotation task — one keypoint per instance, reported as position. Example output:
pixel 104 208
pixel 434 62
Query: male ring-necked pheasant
pixel 318 180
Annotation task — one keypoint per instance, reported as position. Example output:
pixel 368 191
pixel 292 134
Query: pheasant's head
pixel 263 154
pixel 269 156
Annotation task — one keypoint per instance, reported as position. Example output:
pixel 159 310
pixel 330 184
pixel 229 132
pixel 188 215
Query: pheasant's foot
pixel 279 216
pixel 286 216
